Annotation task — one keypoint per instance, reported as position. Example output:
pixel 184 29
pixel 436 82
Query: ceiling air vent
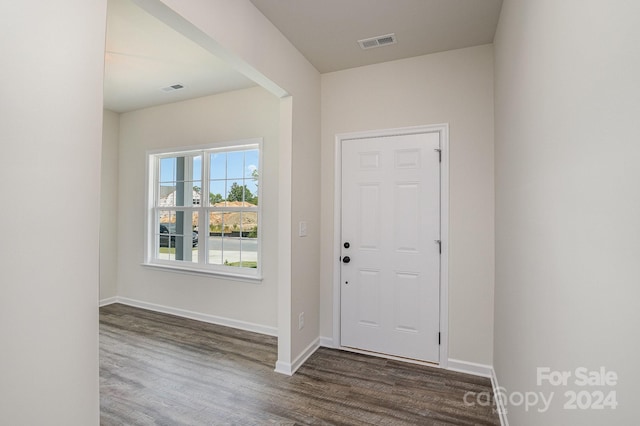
pixel 379 41
pixel 172 88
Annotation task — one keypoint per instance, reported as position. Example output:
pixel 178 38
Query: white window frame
pixel 151 218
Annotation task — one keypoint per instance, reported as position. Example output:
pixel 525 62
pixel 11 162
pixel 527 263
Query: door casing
pixel 443 130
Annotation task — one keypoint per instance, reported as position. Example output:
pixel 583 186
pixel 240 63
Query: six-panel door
pixel 391 222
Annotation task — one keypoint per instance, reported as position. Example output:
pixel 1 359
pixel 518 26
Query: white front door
pixel 390 270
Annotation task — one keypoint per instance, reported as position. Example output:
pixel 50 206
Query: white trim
pixel 108 301
pixel 476 369
pixel 483 370
pixel 289 369
pixel 327 342
pixel 444 237
pixel 443 129
pixel 337 237
pixel 205 272
pixel 283 368
pixel 285 219
pixel 502 410
pixel 211 319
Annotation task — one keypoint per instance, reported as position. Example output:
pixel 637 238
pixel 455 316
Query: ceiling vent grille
pixel 172 88
pixel 379 41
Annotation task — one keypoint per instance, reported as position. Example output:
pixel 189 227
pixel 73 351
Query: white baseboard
pixel 290 368
pixel 482 370
pixel 502 411
pixel 212 319
pixel 304 356
pixel 284 368
pixel 108 301
pixel 326 342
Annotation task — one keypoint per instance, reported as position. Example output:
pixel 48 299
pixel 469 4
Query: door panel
pixel 369 230
pixel 390 289
pixel 369 298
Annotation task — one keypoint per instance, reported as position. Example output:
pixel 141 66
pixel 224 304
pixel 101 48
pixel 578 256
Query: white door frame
pixel 443 129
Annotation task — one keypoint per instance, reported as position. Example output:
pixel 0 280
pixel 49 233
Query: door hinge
pixel 439 151
pixel 438 338
pixel 439 243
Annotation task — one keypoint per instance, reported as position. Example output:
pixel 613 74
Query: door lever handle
pixel 346 259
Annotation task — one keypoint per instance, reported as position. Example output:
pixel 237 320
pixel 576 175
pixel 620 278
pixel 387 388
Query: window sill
pixel 204 273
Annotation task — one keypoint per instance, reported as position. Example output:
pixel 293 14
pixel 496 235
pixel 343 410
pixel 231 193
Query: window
pixel 214 233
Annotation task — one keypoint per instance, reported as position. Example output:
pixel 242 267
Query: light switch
pixel 302 229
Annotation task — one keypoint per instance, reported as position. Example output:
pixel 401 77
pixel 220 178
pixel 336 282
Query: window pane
pixel 217 193
pixel 249 224
pixel 249 249
pixel 235 192
pixel 174 169
pixel 184 194
pixel 215 249
pixel 176 237
pixel 220 248
pixel 215 222
pixel 233 239
pixel 230 250
pixel 196 191
pixel 197 168
pixel 180 181
pixel 251 164
pixel 196 181
pixel 167 195
pixel 251 192
pixel 167 169
pixel 235 165
pixel 195 237
pixel 165 237
pixel 218 166
pixel 249 240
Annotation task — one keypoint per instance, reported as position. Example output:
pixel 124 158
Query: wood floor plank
pixel 158 369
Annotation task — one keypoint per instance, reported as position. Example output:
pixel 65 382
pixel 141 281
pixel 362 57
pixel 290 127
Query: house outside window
pixel 187 229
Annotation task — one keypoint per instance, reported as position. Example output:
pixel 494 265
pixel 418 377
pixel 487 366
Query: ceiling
pixel 144 55
pixel 326 31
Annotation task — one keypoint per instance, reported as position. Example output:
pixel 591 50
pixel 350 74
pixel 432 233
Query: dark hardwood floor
pixel 158 369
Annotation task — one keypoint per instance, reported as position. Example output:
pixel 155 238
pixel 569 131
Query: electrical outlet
pixel 302 229
pixel 301 321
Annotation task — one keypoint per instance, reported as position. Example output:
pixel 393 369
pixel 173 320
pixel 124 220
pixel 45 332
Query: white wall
pixel 51 114
pixel 109 206
pixel 226 117
pixel 454 87
pixel 567 98
pixel 237 31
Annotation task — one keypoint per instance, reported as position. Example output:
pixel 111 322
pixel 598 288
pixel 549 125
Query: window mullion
pixel 154 211
pixel 203 217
